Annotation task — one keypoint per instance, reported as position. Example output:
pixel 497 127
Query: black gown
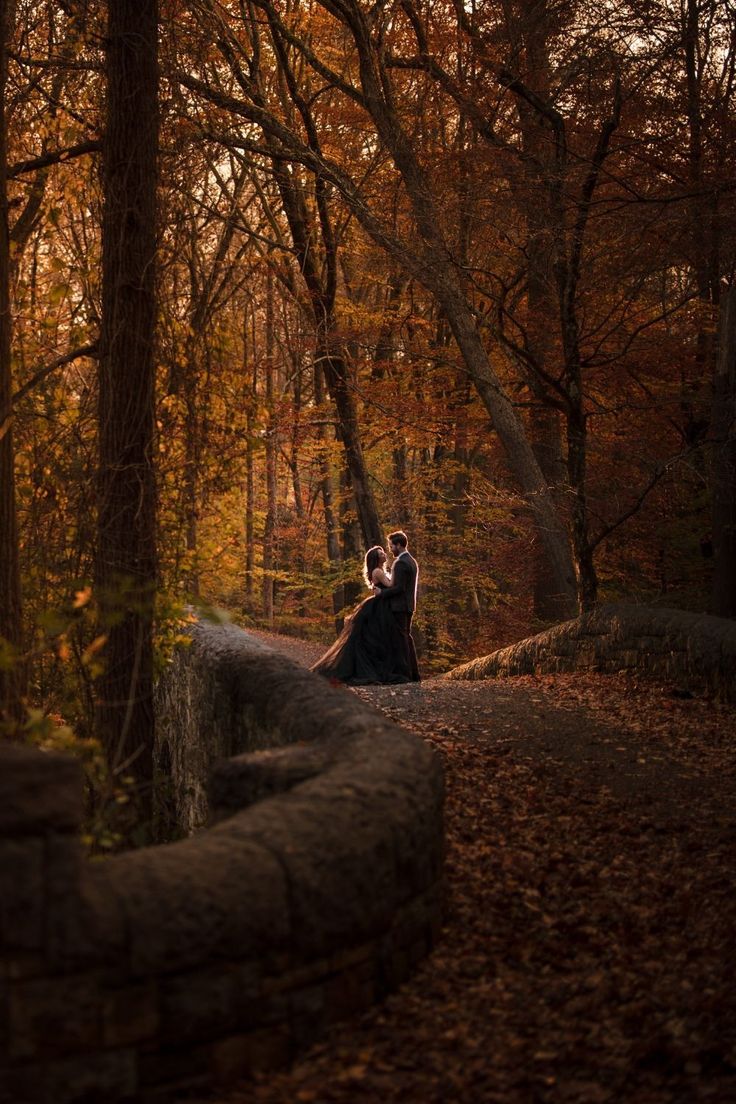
pixel 370 648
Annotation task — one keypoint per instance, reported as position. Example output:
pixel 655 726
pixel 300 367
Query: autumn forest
pixel 279 277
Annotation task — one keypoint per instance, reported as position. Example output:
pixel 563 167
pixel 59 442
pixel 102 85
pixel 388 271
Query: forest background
pixel 463 268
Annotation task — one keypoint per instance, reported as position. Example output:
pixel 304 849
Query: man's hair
pixel 399 537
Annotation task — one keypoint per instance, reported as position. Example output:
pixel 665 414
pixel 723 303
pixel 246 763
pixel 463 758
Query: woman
pixel 370 648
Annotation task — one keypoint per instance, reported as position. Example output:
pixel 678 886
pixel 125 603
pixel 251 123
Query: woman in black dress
pixel 370 647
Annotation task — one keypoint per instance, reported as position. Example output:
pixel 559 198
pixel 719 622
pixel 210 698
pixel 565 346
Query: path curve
pixel 591 861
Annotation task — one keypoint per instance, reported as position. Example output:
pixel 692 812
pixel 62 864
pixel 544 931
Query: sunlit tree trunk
pixel 192 460
pixel 385 354
pixel 352 545
pixel 251 400
pixel 330 352
pixel 11 678
pixel 269 530
pixel 332 529
pixel 337 375
pixel 126 531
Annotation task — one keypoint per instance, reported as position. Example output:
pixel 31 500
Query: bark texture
pixel 126 558
pixel 724 462
pixel 10 593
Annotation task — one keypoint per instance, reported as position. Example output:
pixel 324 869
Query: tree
pixel 724 462
pixel 126 525
pixel 11 680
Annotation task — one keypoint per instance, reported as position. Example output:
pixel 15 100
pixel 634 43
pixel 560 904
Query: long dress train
pixel 370 648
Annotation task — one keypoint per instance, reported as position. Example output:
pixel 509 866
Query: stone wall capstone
pixel 695 650
pixel 313 892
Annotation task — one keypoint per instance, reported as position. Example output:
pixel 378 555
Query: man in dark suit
pixel 402 597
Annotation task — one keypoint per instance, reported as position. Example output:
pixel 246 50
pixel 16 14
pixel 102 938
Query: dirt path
pixel 588 950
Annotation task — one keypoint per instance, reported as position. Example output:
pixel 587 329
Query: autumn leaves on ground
pixel 590 908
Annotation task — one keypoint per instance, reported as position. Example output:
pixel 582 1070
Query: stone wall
pixel 695 651
pixel 166 970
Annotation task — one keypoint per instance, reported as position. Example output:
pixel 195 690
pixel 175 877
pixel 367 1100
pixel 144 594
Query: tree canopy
pixel 462 268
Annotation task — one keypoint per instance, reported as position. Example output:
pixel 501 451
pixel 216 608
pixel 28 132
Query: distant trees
pixel 455 267
pixel 551 297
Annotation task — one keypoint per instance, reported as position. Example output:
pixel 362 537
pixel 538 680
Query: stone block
pixel 350 992
pixel 239 1055
pixel 39 791
pixel 351 956
pixel 22 892
pixel 416 921
pixel 25 964
pixel 241 781
pixel 85 924
pixel 23 1085
pixel 341 866
pixel 176 1066
pixel 288 978
pixel 53 1016
pixel 130 1015
pixel 215 896
pixel 308 1015
pixel 217 1000
pixel 394 968
pixel 105 1077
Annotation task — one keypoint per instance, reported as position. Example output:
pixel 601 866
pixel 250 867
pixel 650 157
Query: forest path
pixel 587 951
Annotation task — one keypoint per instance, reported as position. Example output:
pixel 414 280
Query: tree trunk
pixel 294 446
pixel 11 678
pixel 544 424
pixel 251 400
pixel 269 529
pixel 192 458
pixel 724 461
pixel 519 453
pixel 702 242
pixel 338 383
pixel 544 429
pixel 351 540
pixel 126 527
pixel 576 466
pixel 332 532
pixel 330 353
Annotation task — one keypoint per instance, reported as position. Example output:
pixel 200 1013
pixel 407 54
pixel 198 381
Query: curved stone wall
pixel 313 892
pixel 694 650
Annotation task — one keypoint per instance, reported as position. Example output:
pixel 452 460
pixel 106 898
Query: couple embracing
pixel 376 645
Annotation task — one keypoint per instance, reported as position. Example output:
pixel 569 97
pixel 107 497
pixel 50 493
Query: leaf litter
pixel 587 951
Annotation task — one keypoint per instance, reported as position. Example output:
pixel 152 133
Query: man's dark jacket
pixel 402 594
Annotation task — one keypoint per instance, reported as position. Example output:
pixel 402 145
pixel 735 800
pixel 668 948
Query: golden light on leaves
pixel 92 649
pixel 82 597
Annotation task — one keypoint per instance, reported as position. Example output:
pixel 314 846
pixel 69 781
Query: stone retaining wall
pixel 695 651
pixel 169 969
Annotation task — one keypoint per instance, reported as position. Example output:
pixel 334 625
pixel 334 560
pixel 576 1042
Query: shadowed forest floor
pixel 587 954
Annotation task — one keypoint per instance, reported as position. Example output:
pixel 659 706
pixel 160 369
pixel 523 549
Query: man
pixel 402 596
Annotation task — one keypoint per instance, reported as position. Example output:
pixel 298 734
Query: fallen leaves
pixel 591 917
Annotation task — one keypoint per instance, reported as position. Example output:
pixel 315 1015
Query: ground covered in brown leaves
pixel 588 951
